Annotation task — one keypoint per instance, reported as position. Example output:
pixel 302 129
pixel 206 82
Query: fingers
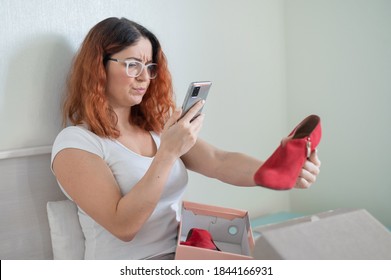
pixel 311 168
pixel 173 119
pixel 305 180
pixel 180 134
pixel 301 183
pixel 309 172
pixel 308 176
pixel 193 111
pixel 197 123
pixel 314 158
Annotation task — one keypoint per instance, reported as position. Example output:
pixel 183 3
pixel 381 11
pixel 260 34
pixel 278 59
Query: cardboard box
pixel 333 235
pixel 230 229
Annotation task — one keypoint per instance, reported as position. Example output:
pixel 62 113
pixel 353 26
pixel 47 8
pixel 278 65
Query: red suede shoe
pixel 200 238
pixel 281 170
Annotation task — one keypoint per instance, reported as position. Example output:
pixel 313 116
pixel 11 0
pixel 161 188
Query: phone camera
pixel 195 92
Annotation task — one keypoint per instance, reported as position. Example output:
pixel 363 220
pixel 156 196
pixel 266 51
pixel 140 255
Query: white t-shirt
pixel 159 233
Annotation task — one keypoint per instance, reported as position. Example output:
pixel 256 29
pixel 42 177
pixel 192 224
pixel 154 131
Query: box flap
pixel 338 234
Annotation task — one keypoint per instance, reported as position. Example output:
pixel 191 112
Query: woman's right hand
pixel 180 134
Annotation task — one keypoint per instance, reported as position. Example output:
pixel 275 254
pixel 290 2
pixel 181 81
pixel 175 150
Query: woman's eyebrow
pixel 134 58
pixel 138 59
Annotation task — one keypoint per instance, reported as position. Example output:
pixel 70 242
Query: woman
pixel 124 161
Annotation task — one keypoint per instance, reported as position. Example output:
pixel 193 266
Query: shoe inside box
pixel 229 235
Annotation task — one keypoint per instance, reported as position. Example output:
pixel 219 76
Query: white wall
pixel 237 45
pixel 339 66
pixel 241 49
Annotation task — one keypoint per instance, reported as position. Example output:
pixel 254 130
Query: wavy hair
pixel 86 100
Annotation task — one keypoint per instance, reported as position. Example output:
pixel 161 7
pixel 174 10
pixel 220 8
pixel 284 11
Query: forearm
pixel 137 206
pixel 229 167
pixel 236 168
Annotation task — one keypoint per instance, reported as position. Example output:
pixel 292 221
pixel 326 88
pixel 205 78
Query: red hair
pixel 86 100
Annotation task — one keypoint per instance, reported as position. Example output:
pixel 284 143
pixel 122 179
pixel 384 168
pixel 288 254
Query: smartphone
pixel 196 92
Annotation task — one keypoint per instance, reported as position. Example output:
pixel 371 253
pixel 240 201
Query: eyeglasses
pixel 134 68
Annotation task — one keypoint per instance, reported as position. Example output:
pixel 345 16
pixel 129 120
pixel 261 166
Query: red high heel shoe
pixel 200 238
pixel 281 170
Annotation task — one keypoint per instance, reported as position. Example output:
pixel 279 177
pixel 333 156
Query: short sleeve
pixel 79 138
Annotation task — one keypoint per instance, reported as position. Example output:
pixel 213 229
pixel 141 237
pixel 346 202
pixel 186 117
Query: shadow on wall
pixel 30 111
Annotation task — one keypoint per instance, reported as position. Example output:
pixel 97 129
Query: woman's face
pixel 124 91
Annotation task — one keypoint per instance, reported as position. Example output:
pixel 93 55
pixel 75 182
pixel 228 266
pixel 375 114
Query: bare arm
pixel 229 167
pixel 90 183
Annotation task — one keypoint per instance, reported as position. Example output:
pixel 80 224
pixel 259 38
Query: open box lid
pixel 210 210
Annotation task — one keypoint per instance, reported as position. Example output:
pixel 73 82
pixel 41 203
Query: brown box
pixel 333 235
pixel 230 229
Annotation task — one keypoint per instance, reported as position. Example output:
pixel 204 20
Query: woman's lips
pixel 140 90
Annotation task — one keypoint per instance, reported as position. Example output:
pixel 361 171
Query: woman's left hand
pixel 309 172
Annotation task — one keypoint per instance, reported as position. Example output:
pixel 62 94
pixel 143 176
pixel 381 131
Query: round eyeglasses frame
pixel 151 67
